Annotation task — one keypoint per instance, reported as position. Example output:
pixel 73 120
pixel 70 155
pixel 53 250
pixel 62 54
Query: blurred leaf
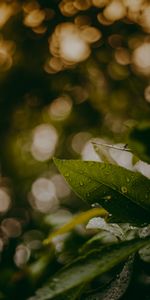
pixel 135 159
pixel 78 219
pixel 103 153
pixel 73 294
pixel 112 234
pixel 124 194
pixel 88 267
pixel 118 286
pixel 2 296
pixel 95 242
pixel 38 268
pixel 139 142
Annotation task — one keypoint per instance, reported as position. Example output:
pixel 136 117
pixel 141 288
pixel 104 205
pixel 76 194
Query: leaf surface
pixel 88 267
pixel 123 193
pixel 118 286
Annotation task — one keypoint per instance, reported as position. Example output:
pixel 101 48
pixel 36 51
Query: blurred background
pixel 72 72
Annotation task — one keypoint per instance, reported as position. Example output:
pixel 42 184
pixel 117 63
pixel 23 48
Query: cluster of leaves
pixel 125 195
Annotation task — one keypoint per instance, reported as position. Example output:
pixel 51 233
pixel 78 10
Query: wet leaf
pixel 123 193
pixel 88 267
pixel 118 286
pixel 72 294
pixel 110 235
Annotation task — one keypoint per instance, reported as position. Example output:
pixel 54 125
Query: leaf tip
pixel 55 160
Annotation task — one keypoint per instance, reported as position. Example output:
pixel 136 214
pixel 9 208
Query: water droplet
pixel 91 163
pixel 95 204
pixel 89 180
pixel 55 279
pixel 145 231
pixel 124 189
pixel 107 172
pixel 108 197
pixel 67 175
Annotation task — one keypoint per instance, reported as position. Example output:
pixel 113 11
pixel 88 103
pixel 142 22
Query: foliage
pixel 117 189
pixel 87 268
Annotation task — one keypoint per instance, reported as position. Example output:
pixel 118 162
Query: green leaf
pixel 72 294
pixel 118 285
pixel 123 193
pixel 88 267
pixel 99 240
pixel 37 268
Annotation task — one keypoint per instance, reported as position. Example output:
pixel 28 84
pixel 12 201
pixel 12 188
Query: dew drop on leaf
pixel 95 204
pixel 55 279
pixel 124 189
pixel 107 197
pixel 66 174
